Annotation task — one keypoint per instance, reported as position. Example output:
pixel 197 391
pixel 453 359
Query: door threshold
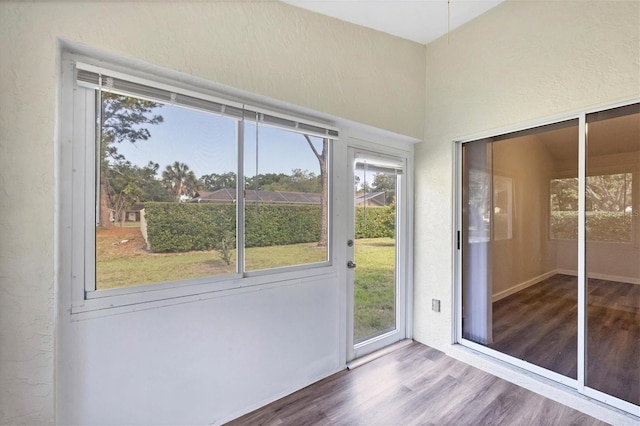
pixel 377 354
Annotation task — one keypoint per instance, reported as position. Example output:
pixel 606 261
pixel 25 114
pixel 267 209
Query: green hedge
pixel 175 227
pixel 375 222
pixel 178 227
pixel 275 225
pixel 601 226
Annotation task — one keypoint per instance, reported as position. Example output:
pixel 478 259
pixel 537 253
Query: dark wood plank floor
pixel 539 325
pixel 415 385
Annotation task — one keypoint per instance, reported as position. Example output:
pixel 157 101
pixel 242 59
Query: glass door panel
pixel 613 252
pixel 519 245
pixel 376 251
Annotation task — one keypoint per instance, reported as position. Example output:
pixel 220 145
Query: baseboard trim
pixel 616 278
pixel 518 287
pixel 535 280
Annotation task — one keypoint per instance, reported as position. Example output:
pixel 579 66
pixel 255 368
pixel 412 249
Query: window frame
pixel 77 200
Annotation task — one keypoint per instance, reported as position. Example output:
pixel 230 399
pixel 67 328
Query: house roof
pixel 377 197
pixel 228 195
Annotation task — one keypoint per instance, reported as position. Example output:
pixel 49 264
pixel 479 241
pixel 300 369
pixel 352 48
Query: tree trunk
pixel 104 204
pixel 324 194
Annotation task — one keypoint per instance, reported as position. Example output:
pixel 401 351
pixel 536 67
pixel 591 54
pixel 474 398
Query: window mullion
pixel 582 278
pixel 240 200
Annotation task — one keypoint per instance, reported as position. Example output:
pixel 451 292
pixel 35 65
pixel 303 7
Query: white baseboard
pixel 535 280
pixel 616 278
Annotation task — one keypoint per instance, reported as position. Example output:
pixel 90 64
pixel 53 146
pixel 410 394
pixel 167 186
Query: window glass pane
pixel 613 255
pixel 564 208
pixel 519 287
pixel 286 198
pixel 165 190
pixel 609 206
pixel 375 250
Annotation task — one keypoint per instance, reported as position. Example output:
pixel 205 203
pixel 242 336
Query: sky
pixel 207 144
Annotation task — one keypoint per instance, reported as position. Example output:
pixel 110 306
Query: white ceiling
pixel 419 20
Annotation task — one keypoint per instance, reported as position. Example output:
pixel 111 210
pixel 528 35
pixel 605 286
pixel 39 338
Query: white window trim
pixel 76 232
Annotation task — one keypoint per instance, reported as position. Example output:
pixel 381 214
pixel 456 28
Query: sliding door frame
pixel 578 384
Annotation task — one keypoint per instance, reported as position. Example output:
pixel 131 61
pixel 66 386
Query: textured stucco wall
pixel 268 48
pixel 521 61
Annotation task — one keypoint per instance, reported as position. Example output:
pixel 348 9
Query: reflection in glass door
pixel 613 252
pixel 374 254
pixel 518 294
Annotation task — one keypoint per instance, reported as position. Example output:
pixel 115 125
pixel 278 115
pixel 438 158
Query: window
pixel 609 207
pixel 182 188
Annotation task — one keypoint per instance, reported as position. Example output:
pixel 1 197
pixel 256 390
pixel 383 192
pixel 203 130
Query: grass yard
pixel 123 261
pixel 374 290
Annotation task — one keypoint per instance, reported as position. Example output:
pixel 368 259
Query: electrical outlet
pixel 435 305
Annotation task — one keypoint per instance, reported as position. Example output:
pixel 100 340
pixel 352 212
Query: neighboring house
pixel 372 199
pixel 228 195
pixel 132 214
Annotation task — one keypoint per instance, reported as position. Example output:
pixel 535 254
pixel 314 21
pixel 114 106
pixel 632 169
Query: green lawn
pixel 123 261
pixel 374 287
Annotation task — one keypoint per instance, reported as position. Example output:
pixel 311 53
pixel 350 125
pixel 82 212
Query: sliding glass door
pixel 549 251
pixel 612 252
pixel 514 299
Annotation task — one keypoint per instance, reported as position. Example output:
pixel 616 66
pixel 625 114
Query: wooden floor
pixel 539 325
pixel 415 385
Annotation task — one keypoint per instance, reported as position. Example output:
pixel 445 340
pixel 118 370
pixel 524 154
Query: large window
pixel 185 188
pixel 609 207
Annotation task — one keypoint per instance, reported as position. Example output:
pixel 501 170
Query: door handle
pixel 351 265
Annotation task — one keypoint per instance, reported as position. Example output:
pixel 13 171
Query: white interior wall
pixel 519 62
pixel 528 255
pixel 206 360
pixel 202 362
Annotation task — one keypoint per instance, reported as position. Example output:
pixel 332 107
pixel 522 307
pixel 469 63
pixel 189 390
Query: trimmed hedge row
pixel 177 227
pixel 276 225
pixel 375 222
pixel 601 226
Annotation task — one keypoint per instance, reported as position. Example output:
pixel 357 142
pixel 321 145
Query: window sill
pixel 132 299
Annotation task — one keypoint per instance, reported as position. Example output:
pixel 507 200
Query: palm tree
pixel 179 180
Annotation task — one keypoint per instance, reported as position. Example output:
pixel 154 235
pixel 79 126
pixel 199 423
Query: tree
pixel 324 184
pixel 129 184
pixel 385 182
pixel 298 181
pixel 266 181
pixel 215 181
pixel 122 120
pixel 179 180
pixel 611 193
